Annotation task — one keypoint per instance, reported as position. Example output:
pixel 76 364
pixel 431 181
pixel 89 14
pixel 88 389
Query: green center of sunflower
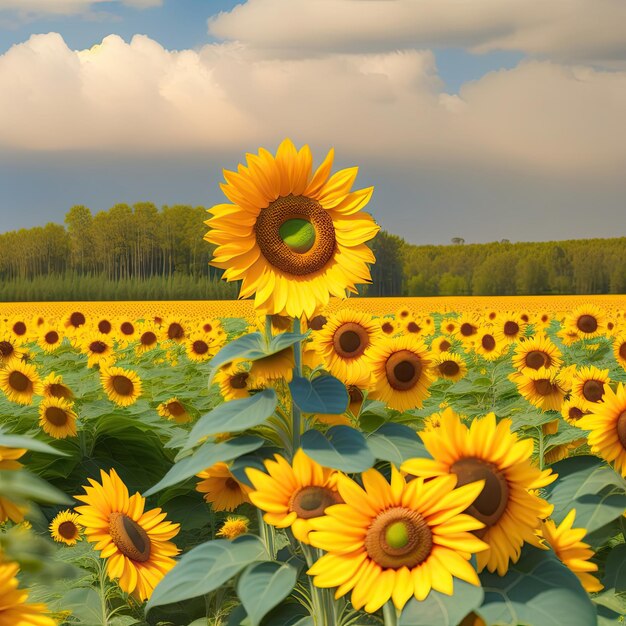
pixel 312 501
pixel 18 381
pixel 488 342
pixel 403 369
pixel 68 530
pixel 449 368
pixel 56 416
pixel 298 234
pixel 587 323
pixel 593 390
pixel 6 348
pixel 398 537
pixel 621 428
pixel 129 537
pixel 492 501
pixel 536 359
pixel 122 385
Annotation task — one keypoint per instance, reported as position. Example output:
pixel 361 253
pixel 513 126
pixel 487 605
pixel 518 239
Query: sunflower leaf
pixel 22 485
pixel 395 443
pixel 324 394
pixel 615 572
pixel 341 447
pixel 207 567
pixel 234 416
pixel 263 585
pixel 206 455
pixel 29 443
pixel 249 347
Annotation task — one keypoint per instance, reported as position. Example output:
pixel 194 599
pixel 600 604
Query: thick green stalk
pixel 297 371
pixel 267 534
pixel 390 614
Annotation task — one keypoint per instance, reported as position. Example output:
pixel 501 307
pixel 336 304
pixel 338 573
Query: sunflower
pixel 210 326
pixel 19 328
pixel 98 348
pixel 125 330
pixel 467 327
pixel 490 451
pixel 233 527
pixel 568 546
pixel 449 366
pixel 198 347
pixel 587 321
pixel 487 344
pixel 400 372
pixel 64 528
pixel 221 488
pixel 234 382
pixel 619 349
pixel 174 329
pixel 607 426
pixel 273 367
pixel 104 325
pixel 147 337
pixel 9 348
pixel 74 321
pixel 562 451
pixel 451 326
pixel 57 418
pixel 344 342
pixel 53 387
pixel 573 409
pixel 173 409
pixel 536 352
pixel 568 336
pixel 441 344
pixel 510 327
pixel 541 321
pixel 293 238
pixel 588 384
pixel 542 387
pixel 122 386
pixel 413 326
pixel 8 461
pixel 403 314
pixel 136 543
pixel 20 382
pixel 49 338
pixel 394 541
pixel 14 610
pixel 293 495
pixel 388 326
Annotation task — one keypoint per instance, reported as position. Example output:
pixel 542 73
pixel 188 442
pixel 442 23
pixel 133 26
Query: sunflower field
pixel 303 459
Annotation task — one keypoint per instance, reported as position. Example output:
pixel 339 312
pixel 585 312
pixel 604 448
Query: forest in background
pixel 140 252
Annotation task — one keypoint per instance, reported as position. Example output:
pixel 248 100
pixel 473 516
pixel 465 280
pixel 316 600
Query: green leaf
pixel 18 441
pixel 341 448
pixel 441 609
pixel 395 443
pixel 206 455
pixel 207 567
pixel 84 603
pixel 284 340
pixel 249 347
pixel 538 590
pixel 262 586
pixel 324 394
pixel 615 571
pixel 234 416
pixel 22 485
pixel 589 485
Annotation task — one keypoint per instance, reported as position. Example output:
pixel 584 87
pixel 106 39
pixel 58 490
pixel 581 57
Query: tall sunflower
pixel 536 352
pixel 293 495
pixel 14 610
pixel 489 451
pixel 122 386
pixel 135 542
pixel 57 418
pixel 20 382
pixel 588 321
pixel 294 238
pixel 394 541
pixel 607 426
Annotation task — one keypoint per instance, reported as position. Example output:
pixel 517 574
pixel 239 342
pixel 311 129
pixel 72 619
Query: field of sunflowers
pixel 302 459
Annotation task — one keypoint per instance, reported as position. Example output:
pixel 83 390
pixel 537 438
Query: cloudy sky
pixel 483 119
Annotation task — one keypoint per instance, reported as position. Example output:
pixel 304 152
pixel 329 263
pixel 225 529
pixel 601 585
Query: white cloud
pixel 66 7
pixel 578 30
pixel 390 107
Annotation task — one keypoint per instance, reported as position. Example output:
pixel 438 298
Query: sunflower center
pixel 449 368
pixel 59 391
pixel 593 390
pixel 493 499
pixel 175 331
pixel 296 235
pixel 318 322
pixel 574 413
pixel 536 359
pixel 98 347
pixel 312 501
pixel 403 369
pixel 200 347
pixel 622 350
pixel 398 537
pixel 127 328
pixel 51 337
pixel 356 395
pixel 350 340
pixel 77 319
pixel 544 387
pixel 176 409
pixel 621 428
pixel 19 381
pixel 67 530
pixel 387 328
pixel 239 381
pixel 281 322
pixel 56 416
pixel 148 338
pixel 587 323
pixel 19 328
pixel 129 537
pixel 445 345
pixel 511 328
pixel 488 342
pixel 231 484
pixel 122 385
pixel 104 326
pixel 6 348
pixel 413 327
pixel 467 329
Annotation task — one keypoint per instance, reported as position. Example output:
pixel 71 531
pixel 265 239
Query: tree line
pixel 144 247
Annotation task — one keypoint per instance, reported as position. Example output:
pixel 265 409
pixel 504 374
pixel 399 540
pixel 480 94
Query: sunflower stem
pixel 296 416
pixel 102 591
pixel 390 614
pixel 268 536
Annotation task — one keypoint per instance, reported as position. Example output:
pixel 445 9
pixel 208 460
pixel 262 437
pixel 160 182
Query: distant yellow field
pixel 376 306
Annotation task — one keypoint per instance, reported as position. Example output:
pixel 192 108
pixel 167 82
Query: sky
pixel 480 119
